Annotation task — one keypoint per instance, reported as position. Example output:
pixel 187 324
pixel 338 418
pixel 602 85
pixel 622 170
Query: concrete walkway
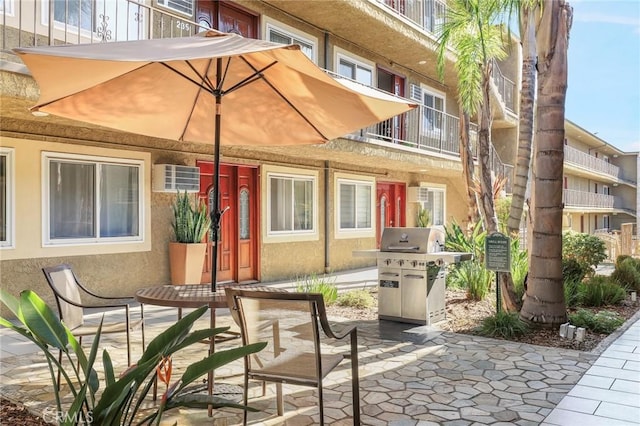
pixel 408 376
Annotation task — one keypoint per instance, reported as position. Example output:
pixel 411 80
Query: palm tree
pixel 544 297
pixel 527 10
pixel 472 29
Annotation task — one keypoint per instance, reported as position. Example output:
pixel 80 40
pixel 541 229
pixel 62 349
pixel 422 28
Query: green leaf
pixel 11 302
pixel 194 400
pixel 41 320
pixel 197 336
pixel 215 360
pixel 109 376
pixel 173 335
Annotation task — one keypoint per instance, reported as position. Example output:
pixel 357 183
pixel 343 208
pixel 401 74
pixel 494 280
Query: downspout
pixel 327 198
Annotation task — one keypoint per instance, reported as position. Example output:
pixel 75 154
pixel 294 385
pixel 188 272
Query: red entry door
pixel 228 18
pixel 391 206
pixel 238 242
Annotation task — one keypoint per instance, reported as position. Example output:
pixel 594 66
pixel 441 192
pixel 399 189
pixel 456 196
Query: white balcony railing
pixel 506 87
pixel 589 162
pixel 427 14
pixel 573 198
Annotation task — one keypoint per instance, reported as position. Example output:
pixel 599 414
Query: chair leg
pixel 320 402
pixel 279 399
pixel 355 378
pixel 59 368
pixel 246 394
pixel 142 326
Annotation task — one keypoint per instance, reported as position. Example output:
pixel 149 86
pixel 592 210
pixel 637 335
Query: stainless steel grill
pixel 411 274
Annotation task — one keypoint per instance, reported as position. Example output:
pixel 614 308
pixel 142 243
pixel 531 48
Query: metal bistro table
pixel 188 296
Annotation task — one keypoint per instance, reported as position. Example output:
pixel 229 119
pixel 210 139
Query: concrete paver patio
pixel 408 376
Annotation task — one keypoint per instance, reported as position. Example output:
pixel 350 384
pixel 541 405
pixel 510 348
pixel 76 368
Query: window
pixel 278 35
pixel 432 109
pixel 72 13
pixel 290 204
pixel 92 200
pixel 435 205
pixel 183 6
pixel 354 70
pixel 6 197
pixel 434 13
pixel 6 7
pixel 355 204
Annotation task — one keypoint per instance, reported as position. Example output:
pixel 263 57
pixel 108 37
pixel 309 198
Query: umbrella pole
pixel 216 214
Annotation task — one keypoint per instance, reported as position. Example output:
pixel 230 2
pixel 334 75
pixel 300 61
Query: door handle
pixel 420 277
pixel 389 274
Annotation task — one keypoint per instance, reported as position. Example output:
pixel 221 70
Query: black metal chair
pixel 290 323
pixel 69 295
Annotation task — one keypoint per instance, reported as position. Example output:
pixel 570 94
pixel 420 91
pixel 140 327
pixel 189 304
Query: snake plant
pixel 190 222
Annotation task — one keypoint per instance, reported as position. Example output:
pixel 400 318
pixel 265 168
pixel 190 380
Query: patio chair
pixel 290 323
pixel 69 295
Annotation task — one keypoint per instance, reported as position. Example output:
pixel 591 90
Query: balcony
pixel 589 162
pixel 424 130
pixel 506 88
pixel 590 200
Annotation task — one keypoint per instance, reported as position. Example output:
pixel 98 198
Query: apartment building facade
pixel 352 187
pixel 600 187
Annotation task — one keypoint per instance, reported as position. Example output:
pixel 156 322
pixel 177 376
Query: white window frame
pixel 10 201
pixel 7 8
pixel 295 35
pixel 357 61
pixel 163 4
pixel 69 28
pixel 426 90
pixel 48 157
pixel 431 187
pixel 314 210
pixel 354 232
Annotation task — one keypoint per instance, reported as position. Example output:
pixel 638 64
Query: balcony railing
pixel 589 162
pixel 29 23
pixel 24 25
pixel 505 86
pixel 573 198
pixel 427 14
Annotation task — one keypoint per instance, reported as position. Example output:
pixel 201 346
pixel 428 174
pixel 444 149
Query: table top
pixel 182 296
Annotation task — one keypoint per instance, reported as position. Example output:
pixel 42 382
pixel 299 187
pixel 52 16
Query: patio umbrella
pixel 176 88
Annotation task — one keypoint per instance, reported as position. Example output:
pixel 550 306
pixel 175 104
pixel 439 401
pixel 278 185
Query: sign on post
pixel 497 252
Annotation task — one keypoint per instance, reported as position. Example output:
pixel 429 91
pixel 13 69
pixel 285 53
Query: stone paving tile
pixel 450 380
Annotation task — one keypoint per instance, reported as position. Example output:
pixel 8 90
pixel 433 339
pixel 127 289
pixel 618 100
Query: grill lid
pixel 412 240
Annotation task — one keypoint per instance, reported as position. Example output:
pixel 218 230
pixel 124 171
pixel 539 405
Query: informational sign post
pixel 497 257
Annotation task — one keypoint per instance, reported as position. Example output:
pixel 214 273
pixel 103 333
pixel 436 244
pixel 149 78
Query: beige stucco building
pixel 353 186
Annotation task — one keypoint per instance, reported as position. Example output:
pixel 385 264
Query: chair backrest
pixel 63 282
pixel 288 322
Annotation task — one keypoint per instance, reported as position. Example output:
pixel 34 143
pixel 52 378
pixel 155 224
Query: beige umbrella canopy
pixel 213 88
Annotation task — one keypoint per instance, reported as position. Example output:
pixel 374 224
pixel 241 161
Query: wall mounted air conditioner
pixel 173 178
pixel 417 194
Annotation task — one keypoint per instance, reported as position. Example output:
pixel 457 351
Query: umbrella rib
pixel 202 86
pixel 258 74
pixel 204 77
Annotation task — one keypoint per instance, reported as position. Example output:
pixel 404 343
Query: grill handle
pixel 420 277
pixel 389 274
pixel 414 248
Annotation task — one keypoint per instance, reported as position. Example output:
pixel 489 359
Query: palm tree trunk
pixel 484 155
pixel 525 135
pixel 544 299
pixel 466 155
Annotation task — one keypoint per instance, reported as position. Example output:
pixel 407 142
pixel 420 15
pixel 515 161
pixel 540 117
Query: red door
pixel 228 18
pixel 393 128
pixel 237 248
pixel 391 206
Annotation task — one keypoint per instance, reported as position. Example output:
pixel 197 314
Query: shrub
pixel 190 221
pixel 602 322
pixel 359 299
pixel 503 324
pixel 627 273
pixel 457 240
pixel 588 250
pixel 600 291
pixel 571 297
pixel 472 276
pixel 572 271
pixel 315 284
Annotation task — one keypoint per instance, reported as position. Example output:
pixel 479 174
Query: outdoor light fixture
pixel 39 114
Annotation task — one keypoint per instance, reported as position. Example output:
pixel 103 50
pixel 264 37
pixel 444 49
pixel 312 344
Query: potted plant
pixel 186 255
